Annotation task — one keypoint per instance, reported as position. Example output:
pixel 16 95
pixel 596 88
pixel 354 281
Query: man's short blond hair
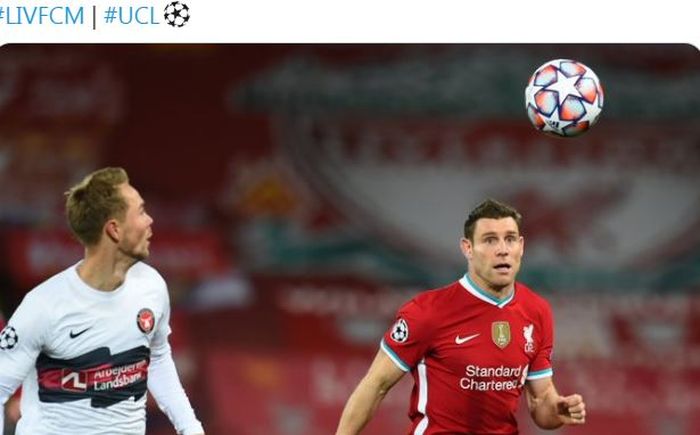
pixel 93 201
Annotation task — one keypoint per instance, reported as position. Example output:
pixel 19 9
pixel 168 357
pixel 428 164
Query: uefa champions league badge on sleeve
pixel 399 332
pixel 563 98
pixel 145 320
pixel 8 338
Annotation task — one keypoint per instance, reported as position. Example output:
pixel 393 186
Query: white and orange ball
pixel 564 98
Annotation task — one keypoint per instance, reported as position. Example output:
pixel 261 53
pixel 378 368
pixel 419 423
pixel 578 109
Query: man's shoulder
pixel 531 297
pixel 435 296
pixel 52 287
pixel 145 271
pixel 43 298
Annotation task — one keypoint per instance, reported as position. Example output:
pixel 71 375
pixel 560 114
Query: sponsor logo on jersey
pixel 500 333
pixel 501 378
pixel 146 320
pixel 8 338
pixel 399 332
pixel 72 334
pixel 74 381
pixel 462 340
pixel 98 375
pixel 527 333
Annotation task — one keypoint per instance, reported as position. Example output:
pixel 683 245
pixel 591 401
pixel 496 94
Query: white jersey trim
pixel 422 398
pixel 478 293
pixel 395 358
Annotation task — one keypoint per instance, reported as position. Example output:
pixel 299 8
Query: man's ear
pixel 112 230
pixel 466 247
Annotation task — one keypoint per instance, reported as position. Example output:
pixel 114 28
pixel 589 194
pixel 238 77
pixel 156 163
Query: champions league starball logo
pixel 177 14
pixel 399 332
pixel 8 338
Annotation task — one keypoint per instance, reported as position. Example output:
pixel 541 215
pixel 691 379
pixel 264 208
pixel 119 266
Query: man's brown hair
pixel 93 201
pixel 490 209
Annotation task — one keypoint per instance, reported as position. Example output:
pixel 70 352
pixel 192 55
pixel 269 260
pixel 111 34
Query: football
pixel 177 14
pixel 564 98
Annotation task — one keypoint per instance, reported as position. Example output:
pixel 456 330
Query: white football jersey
pixel 84 354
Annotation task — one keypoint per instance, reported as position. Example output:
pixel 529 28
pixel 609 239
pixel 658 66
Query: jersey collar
pixel 479 293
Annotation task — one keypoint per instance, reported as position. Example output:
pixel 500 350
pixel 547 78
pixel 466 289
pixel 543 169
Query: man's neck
pixel 499 293
pixel 103 270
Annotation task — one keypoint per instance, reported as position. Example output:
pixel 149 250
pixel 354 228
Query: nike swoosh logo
pixel 76 334
pixel 462 340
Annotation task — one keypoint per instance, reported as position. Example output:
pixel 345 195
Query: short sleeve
pixel 541 365
pixel 407 340
pixel 22 339
pixel 159 342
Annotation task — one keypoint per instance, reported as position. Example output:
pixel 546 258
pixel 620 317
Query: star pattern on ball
pixel 177 14
pixel 530 95
pixel 554 124
pixel 565 86
pixel 593 109
pixel 563 97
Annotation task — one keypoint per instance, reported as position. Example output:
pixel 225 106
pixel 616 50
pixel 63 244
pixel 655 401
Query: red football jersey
pixel 470 355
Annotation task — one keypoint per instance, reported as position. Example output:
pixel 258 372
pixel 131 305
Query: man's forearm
pixel 7 388
pixel 545 416
pixel 360 407
pixel 164 384
pixel 544 410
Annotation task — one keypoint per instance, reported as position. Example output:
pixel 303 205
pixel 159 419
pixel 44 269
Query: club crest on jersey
pixel 146 320
pixel 529 342
pixel 399 332
pixel 500 333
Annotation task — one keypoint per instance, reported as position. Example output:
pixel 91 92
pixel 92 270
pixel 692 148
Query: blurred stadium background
pixel 301 193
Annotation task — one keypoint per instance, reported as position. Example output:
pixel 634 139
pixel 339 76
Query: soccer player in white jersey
pixel 88 342
pixel 471 346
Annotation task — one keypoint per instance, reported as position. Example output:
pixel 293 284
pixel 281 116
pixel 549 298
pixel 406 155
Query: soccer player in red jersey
pixel 472 346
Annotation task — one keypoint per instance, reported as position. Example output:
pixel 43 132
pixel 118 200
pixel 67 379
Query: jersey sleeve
pixel 163 381
pixel 22 339
pixel 541 365
pixel 159 343
pixel 407 340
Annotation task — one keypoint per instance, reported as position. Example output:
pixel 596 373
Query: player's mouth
pixel 502 267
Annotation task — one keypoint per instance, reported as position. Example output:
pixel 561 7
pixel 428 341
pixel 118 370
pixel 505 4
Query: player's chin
pixel 503 280
pixel 141 254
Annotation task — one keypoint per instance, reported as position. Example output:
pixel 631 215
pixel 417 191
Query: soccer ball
pixel 563 98
pixel 177 14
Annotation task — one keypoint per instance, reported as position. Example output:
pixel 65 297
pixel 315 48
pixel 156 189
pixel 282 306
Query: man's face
pixel 136 226
pixel 495 253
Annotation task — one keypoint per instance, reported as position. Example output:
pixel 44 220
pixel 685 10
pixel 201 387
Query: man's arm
pixel 360 407
pixel 163 381
pixel 164 384
pixel 7 388
pixel 20 343
pixel 548 409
